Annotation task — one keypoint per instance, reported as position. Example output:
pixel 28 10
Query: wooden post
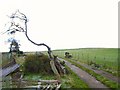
pixel 54 69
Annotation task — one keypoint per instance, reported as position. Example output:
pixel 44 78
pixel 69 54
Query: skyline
pixel 64 24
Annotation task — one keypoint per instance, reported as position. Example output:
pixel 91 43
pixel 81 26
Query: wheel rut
pixel 90 80
pixel 101 72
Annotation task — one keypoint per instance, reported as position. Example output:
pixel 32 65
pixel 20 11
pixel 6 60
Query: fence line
pixel 87 57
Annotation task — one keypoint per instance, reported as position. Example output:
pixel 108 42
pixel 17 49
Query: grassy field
pixel 70 80
pixel 107 58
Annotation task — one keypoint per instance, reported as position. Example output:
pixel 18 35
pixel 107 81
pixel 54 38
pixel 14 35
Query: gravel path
pixel 91 81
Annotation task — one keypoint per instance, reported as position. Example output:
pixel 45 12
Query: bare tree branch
pixel 23 17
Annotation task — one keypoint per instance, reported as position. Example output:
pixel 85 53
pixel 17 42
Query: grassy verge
pixel 102 79
pixel 37 76
pixel 101 67
pixel 71 80
pixel 106 58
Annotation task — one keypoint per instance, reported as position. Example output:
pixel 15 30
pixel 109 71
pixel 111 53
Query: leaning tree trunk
pixel 55 65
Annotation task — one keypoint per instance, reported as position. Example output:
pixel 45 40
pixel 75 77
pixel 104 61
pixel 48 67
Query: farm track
pixel 91 81
pixel 101 72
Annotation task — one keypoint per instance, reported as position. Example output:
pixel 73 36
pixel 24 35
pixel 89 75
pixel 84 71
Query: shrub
pixel 37 64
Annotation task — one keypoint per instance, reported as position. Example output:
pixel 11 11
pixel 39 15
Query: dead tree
pixel 17 28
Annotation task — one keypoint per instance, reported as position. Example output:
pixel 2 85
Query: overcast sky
pixel 63 23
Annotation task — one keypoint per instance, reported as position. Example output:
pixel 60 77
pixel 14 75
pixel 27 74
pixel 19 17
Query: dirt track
pixel 101 72
pixel 91 81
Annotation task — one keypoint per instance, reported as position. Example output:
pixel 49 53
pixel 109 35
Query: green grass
pixel 71 80
pixel 106 57
pixel 83 55
pixel 102 79
pixel 37 76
